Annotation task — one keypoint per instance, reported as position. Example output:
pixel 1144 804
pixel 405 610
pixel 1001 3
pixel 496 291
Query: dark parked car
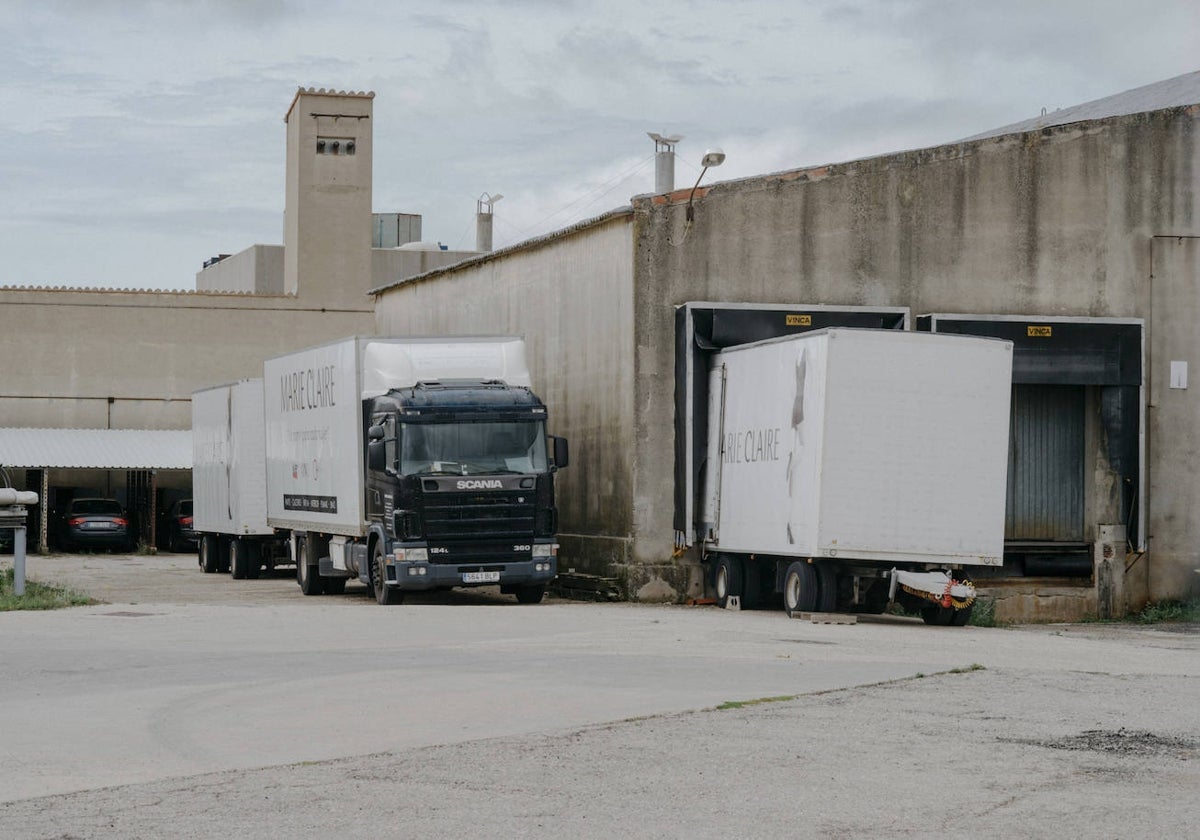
pixel 176 529
pixel 95 523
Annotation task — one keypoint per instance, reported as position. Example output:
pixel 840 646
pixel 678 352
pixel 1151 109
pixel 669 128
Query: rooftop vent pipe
pixel 664 161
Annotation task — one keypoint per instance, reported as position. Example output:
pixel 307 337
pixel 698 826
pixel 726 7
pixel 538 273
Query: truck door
pixel 380 484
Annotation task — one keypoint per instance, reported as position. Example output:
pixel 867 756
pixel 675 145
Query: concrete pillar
pixel 1108 559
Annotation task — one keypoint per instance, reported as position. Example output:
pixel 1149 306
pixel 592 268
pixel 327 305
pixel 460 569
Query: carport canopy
pixel 102 449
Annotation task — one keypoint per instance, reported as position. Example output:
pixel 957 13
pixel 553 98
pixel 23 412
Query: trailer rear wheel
pixel 799 588
pixel 386 595
pixel 938 616
pixel 729 580
pixel 254 562
pixel 962 618
pixel 307 571
pixel 827 583
pixel 238 559
pixel 208 554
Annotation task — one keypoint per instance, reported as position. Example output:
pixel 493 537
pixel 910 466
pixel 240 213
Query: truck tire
pixel 531 594
pixel 962 618
pixel 938 616
pixel 222 555
pixel 308 573
pixel 238 559
pixel 728 579
pixel 799 588
pixel 388 596
pixel 827 583
pixel 254 562
pixel 208 554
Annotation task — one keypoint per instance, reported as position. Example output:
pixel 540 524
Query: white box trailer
pixel 229 486
pixel 842 456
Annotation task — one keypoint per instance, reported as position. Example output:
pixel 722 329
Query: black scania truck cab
pixel 460 480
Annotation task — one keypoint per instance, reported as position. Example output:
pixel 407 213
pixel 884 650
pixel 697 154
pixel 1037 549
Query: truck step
pixel 827 618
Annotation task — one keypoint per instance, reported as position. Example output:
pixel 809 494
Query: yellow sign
pixel 1038 332
pixel 799 320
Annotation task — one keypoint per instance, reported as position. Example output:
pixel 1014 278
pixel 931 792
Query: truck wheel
pixel 962 618
pixel 308 573
pixel 253 560
pixel 729 580
pixel 237 559
pixel 531 594
pixel 799 588
pixel 387 595
pixel 208 554
pixel 938 616
pixel 826 587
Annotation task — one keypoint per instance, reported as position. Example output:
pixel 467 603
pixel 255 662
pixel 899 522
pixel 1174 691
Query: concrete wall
pixel 256 270
pixel 1055 222
pixel 389 265
pixel 571 297
pixel 130 360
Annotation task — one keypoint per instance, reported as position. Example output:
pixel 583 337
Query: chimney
pixel 483 221
pixel 664 161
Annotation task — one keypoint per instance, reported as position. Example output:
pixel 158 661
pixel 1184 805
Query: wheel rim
pixel 722 581
pixel 377 576
pixel 791 591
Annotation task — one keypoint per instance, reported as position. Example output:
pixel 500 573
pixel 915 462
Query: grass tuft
pixel 37 596
pixel 1169 611
pixel 741 704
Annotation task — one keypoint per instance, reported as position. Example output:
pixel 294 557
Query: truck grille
pixel 473 516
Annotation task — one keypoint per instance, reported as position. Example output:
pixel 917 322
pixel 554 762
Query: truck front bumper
pixel 416 576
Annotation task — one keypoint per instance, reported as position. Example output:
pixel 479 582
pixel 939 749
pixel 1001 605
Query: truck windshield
pixel 473 448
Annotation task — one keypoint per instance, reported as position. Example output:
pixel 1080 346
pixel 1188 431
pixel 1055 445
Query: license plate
pixel 481 577
pixel 99 525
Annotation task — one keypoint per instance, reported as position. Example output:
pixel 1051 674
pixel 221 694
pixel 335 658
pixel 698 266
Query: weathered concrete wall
pixel 130 360
pixel 389 265
pixel 256 270
pixel 1173 420
pixel 1056 222
pixel 571 297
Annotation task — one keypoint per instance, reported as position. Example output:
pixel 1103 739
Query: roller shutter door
pixel 1045 464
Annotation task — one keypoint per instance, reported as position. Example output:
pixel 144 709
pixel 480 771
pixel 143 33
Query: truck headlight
pixel 412 555
pixel 549 550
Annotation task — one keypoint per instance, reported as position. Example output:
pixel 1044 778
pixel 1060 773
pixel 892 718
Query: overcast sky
pixel 140 138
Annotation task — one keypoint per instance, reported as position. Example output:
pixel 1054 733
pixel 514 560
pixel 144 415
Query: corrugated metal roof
pixel 1169 93
pixel 115 449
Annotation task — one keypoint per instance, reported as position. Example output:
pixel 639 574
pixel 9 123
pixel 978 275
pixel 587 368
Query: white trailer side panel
pixel 873 445
pixel 228 476
pixel 314 440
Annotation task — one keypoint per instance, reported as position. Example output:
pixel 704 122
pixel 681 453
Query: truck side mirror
pixel 376 456
pixel 562 455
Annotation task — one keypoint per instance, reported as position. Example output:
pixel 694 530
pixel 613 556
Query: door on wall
pixel 1045 464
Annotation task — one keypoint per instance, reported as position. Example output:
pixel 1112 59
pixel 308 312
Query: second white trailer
pixel 229 480
pixel 840 459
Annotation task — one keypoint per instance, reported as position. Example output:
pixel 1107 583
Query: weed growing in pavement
pixel 37 596
pixel 1169 611
pixel 983 614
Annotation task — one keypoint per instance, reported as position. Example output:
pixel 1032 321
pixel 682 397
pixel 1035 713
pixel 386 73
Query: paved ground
pixel 192 706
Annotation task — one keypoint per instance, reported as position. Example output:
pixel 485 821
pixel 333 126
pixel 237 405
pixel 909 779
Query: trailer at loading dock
pixel 229 488
pixel 845 466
